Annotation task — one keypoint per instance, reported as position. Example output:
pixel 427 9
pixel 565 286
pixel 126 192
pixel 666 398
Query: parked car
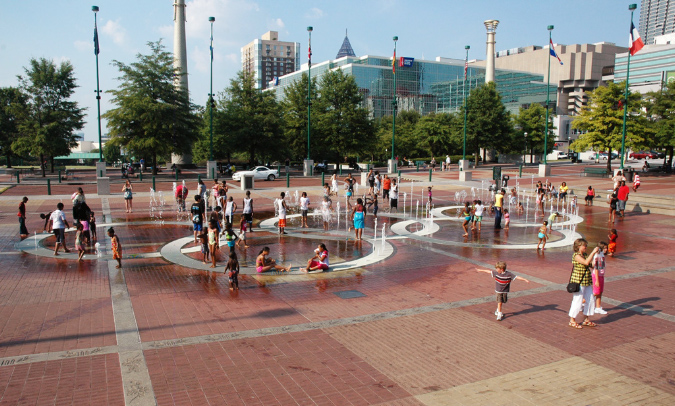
pixel 259 172
pixel 603 155
pixel 642 155
pixel 562 155
pixel 659 154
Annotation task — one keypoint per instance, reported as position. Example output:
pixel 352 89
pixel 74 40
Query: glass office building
pixel 650 68
pixel 424 86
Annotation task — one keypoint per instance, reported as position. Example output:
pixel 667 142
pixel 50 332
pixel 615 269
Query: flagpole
pixel 309 88
pixel 211 20
pixel 394 104
pixel 466 63
pixel 98 89
pixel 548 83
pixel 632 8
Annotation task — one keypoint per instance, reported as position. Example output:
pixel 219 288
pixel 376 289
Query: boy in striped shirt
pixel 503 280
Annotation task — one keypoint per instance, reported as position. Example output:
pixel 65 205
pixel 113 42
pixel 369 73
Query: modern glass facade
pixel 649 69
pixel 426 86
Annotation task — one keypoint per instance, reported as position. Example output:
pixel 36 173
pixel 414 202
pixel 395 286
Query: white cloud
pixel 200 59
pixel 114 30
pixel 58 60
pixel 277 24
pixel 314 13
pixel 84 45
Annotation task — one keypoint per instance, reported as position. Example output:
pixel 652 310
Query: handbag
pixel 127 194
pixel 573 287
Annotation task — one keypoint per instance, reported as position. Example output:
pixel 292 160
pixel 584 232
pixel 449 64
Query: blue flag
pixel 96 48
pixel 552 51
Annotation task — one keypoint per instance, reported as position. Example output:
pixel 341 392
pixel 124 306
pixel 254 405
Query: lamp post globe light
pixel 392 164
pixel 632 9
pixel 308 166
pixel 211 164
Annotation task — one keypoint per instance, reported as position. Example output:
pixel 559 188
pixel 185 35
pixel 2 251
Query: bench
pixel 599 172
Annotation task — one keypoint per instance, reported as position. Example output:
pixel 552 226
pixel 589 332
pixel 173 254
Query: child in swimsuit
pixel 467 218
pixel 232 271
pixel 543 235
pixel 611 247
pixel 507 219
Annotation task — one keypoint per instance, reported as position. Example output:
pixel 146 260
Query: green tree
pixel 344 125
pixel 13 108
pixel 406 143
pixel 153 116
pixel 488 121
pixel 294 108
pixel 601 120
pixel 660 107
pixel 223 147
pixel 532 121
pixel 250 119
pixel 434 132
pixel 111 153
pixel 48 127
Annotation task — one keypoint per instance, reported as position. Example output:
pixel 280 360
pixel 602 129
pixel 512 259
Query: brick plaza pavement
pixel 421 332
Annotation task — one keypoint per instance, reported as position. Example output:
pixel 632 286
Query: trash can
pixel 247 182
pixel 497 174
pixel 505 180
pixel 629 173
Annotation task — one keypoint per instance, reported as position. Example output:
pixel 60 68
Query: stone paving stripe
pixel 572 381
pixel 135 376
pixel 57 355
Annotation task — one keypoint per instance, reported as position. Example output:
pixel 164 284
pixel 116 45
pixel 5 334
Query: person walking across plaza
pixel 197 213
pixel 248 210
pixel 622 195
pixel 581 274
pixel 386 187
pixel 23 231
pixel 58 224
pixel 371 181
pixel 393 196
pixel 447 162
pixel 590 195
pixel 503 279
pixel 636 182
pixel 543 235
pixel 359 217
pixel 499 201
pixel 127 189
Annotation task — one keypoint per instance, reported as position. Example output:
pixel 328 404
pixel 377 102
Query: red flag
pixel 635 43
pixel 466 67
pixel 309 52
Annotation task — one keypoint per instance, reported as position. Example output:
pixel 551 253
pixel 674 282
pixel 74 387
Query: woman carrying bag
pixel 580 284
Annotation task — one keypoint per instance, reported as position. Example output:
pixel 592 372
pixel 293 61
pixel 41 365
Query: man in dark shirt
pixel 197 211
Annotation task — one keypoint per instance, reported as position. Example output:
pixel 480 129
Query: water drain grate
pixel 350 294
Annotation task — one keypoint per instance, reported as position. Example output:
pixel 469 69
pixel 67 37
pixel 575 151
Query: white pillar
pixel 491 26
pixel 180 62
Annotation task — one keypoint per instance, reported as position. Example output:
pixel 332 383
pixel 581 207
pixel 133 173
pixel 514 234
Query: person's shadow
pixel 621 312
pixel 538 308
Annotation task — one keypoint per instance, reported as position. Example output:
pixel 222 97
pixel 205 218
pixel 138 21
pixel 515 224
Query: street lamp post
pixel 98 89
pixel 548 83
pixel 211 165
pixel 466 64
pixel 525 155
pixel 632 8
pixel 309 164
pixel 211 20
pixel 392 166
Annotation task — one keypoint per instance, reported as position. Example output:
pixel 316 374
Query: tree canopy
pixel 488 121
pixel 153 116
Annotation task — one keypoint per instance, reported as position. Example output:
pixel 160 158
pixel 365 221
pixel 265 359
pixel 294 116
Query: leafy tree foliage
pixel 602 121
pixel 406 143
pixel 13 108
pixel 153 116
pixel 660 109
pixel 532 121
pixel 434 132
pixel 50 118
pixel 344 125
pixel 488 121
pixel 294 107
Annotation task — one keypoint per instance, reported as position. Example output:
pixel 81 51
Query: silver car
pixel 259 172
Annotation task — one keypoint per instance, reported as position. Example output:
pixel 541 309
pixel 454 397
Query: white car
pixel 259 172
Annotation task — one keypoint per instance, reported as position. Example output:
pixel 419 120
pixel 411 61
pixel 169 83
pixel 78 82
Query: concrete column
pixel 544 170
pixel 392 166
pixel 308 167
pixel 211 165
pixel 491 26
pixel 100 166
pixel 180 62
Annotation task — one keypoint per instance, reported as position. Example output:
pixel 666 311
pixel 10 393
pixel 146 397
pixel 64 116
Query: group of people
pixel 619 196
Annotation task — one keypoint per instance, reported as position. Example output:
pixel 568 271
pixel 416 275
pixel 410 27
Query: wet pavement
pixel 404 321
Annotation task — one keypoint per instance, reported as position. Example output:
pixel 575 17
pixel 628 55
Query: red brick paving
pixel 49 304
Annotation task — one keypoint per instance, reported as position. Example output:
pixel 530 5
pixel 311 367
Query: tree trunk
pixel 42 165
pixel 9 160
pixel 51 160
pixel 609 158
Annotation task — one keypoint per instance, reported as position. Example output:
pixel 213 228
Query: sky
pixel 63 30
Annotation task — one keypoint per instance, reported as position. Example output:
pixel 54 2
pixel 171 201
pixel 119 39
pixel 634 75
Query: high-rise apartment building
pixel 657 17
pixel 268 58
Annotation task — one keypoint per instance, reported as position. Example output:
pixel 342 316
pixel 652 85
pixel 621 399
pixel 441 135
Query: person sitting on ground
pixel 318 261
pixel 264 264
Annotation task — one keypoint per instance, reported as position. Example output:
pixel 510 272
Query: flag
pixel 551 50
pixel 466 67
pixel 96 48
pixel 309 52
pixel 211 47
pixel 635 42
pixel 393 62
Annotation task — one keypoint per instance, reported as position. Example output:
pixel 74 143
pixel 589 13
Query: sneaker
pixel 499 316
pixel 496 312
pixel 600 310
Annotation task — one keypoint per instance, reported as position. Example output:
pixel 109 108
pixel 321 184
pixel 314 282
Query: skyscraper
pixel 657 17
pixel 268 58
pixel 345 49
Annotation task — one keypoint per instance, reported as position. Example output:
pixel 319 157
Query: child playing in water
pixel 611 247
pixel 116 247
pixel 304 208
pixel 230 237
pixel 543 234
pixel 213 241
pixel 92 225
pixel 521 209
pixel 551 220
pixel 598 276
pixel 503 281
pixel 79 241
pixel 204 241
pixel 232 271
pixel 466 213
pixel 372 202
pixel 507 219
pixel 243 228
pixel 429 194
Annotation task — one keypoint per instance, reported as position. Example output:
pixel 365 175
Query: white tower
pixel 180 61
pixel 491 26
pixel 179 44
